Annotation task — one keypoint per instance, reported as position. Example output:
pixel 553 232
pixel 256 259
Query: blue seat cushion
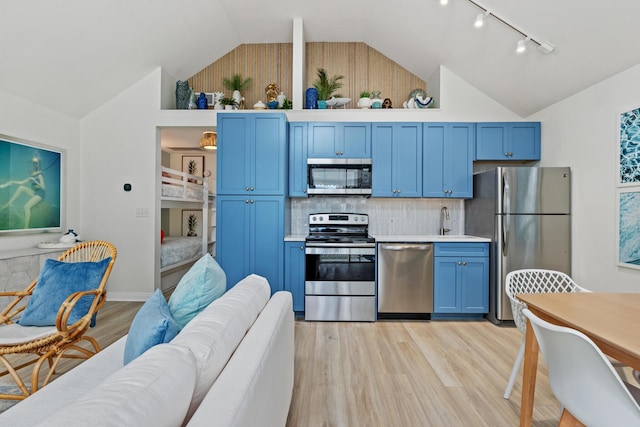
pixel 57 281
pixel 152 325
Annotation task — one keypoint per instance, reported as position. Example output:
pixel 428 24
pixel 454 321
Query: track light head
pixel 522 45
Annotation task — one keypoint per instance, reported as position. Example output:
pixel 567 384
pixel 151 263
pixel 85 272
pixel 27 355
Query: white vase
pixel 237 96
pixel 364 103
pixel 281 99
pixel 228 107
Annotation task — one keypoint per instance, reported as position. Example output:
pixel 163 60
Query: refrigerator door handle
pixel 506 210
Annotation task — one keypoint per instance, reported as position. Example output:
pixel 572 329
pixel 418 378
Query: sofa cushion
pixel 152 325
pixel 153 390
pixel 57 281
pixel 214 334
pixel 204 282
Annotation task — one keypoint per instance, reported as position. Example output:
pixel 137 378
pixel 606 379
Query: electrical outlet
pixel 142 212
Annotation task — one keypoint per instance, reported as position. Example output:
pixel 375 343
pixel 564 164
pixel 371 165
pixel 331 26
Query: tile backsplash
pixel 386 215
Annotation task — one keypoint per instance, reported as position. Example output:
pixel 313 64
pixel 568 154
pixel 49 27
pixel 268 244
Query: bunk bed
pixel 182 191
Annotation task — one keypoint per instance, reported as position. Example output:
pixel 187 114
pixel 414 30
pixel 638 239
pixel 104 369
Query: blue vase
pixel 322 105
pixel 202 101
pixel 311 98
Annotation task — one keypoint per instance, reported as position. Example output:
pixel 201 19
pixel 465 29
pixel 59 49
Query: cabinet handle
pixel 459 262
pixel 337 153
pixel 394 190
pixel 251 201
pixel 302 248
pixel 464 263
pixel 398 191
pixel 246 188
pixel 246 201
pixel 251 188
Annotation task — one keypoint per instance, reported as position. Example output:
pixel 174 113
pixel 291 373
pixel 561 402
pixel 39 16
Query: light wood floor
pixel 420 373
pixel 392 373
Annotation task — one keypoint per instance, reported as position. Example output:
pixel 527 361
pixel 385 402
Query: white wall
pixel 581 132
pixel 32 122
pixel 119 145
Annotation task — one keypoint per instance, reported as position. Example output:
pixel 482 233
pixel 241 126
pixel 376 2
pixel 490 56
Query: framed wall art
pixel 31 191
pixel 629 148
pixel 191 223
pixel 193 165
pixel 628 214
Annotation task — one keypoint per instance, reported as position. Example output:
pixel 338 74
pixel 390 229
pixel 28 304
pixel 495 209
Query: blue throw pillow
pixel 152 325
pixel 203 283
pixel 57 281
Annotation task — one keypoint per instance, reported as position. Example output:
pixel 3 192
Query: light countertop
pixel 423 238
pixel 409 238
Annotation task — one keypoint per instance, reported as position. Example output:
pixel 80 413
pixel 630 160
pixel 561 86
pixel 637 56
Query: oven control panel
pixel 338 219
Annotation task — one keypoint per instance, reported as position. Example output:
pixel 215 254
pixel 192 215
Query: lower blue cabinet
pixel 461 278
pixel 294 273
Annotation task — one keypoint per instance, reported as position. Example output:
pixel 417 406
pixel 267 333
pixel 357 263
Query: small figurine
pixel 386 103
pixel 69 237
pixel 272 91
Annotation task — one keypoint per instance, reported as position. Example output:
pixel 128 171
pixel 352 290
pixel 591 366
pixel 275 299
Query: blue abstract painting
pixel 630 147
pixel 629 229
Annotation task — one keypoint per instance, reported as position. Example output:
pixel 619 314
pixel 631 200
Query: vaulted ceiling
pixel 74 55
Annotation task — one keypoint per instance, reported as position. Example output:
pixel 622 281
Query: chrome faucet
pixel 444 214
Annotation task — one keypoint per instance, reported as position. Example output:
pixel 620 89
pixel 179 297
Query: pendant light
pixel 209 140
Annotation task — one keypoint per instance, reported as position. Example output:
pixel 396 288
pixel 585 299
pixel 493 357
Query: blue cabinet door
pixel 294 271
pixel 475 285
pixel 233 156
pixel 335 140
pixel 525 141
pixel 268 163
pixel 297 160
pixel 233 237
pixel 508 141
pixel 397 159
pixel 249 237
pixel 252 154
pixel 446 289
pixel 447 167
pixel 266 253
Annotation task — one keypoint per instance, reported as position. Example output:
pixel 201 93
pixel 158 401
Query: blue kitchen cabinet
pixel 461 280
pixel 397 159
pixel 251 154
pixel 297 159
pixel 447 165
pixel 294 273
pixel 249 237
pixel 508 141
pixel 339 140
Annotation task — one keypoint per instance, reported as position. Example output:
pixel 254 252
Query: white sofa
pixel 232 365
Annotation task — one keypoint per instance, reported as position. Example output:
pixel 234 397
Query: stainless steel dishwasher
pixel 405 278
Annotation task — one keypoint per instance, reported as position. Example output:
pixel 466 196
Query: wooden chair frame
pixel 65 338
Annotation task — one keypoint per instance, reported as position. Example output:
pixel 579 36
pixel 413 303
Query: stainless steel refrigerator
pixel 526 212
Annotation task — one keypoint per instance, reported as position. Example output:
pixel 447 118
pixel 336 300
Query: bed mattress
pixel 177 249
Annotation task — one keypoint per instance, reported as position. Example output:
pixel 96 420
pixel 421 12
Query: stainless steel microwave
pixel 335 177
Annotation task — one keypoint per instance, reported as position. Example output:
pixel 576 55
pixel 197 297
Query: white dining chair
pixel 582 378
pixel 532 281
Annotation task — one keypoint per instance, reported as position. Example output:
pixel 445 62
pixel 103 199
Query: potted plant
pixel 365 100
pixel 326 86
pixel 229 103
pixel 237 84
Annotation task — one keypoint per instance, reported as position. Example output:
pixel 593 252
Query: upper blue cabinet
pixel 397 159
pixel 298 159
pixel 348 140
pixel 447 166
pixel 252 154
pixel 508 141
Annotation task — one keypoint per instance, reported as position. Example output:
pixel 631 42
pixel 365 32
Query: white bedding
pixel 176 249
pixel 177 191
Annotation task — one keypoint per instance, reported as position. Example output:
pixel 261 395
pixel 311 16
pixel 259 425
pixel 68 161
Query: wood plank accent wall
pixel 363 68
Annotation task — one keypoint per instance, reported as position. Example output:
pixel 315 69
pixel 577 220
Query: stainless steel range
pixel 340 268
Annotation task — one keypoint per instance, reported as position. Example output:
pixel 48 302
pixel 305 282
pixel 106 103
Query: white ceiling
pixel 74 55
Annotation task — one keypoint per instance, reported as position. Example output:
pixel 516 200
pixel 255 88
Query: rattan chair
pixel 532 281
pixel 583 380
pixel 33 345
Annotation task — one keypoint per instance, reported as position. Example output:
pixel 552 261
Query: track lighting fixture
pixel 544 46
pixel 480 19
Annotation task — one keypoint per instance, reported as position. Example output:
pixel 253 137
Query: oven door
pixel 340 283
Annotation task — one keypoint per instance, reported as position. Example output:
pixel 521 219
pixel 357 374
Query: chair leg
pixel 568 420
pixel 514 370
